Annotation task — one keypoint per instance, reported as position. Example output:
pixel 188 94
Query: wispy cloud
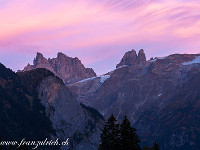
pixel 89 27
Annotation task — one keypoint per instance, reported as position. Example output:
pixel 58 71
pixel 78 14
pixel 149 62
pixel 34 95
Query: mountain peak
pixel 39 54
pixel 141 59
pixel 69 69
pixel 60 55
pixel 131 58
pixel 38 57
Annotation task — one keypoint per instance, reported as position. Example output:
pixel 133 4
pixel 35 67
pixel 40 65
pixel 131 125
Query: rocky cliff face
pixel 69 118
pixel 36 105
pixel 131 58
pixel 159 96
pixel 70 70
pixel 22 114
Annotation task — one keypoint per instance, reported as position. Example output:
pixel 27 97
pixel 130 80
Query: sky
pixel 98 32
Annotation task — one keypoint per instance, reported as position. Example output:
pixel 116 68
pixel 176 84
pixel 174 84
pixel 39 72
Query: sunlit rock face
pixel 69 118
pixel 158 96
pixel 70 70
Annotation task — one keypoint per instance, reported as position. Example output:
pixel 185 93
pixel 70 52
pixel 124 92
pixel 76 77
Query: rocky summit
pixel 70 70
pixel 131 58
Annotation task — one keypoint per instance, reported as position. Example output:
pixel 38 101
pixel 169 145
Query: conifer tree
pixel 155 146
pixel 110 135
pixel 129 139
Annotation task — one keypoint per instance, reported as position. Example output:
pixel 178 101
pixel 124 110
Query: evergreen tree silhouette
pixel 110 137
pixel 129 139
pixel 155 146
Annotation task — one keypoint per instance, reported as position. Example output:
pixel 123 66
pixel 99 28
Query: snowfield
pixel 103 78
pixel 157 59
pixel 194 61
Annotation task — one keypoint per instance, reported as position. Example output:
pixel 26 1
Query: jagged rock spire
pixel 39 59
pixel 69 69
pixel 39 55
pixel 61 55
pixel 141 59
pixel 131 58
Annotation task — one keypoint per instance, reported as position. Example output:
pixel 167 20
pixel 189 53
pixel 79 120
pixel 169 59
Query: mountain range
pixel 160 96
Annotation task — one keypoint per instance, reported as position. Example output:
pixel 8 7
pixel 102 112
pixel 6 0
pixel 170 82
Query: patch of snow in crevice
pixel 103 78
pixel 121 66
pixel 87 79
pixel 194 61
pixel 157 59
pixel 152 60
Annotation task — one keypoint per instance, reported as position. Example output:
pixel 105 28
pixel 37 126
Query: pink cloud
pixel 93 27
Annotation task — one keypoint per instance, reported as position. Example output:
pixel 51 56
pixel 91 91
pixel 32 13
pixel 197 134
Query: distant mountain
pixel 70 70
pixel 131 58
pixel 161 97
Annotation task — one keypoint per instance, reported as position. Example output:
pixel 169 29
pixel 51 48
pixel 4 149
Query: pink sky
pixel 98 32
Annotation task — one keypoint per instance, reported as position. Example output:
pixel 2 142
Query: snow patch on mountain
pixel 194 61
pixel 157 59
pixel 86 79
pixel 103 78
pixel 121 66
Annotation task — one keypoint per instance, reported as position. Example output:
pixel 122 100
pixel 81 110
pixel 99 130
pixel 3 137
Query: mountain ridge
pixel 149 92
pixel 36 105
pixel 69 69
pixel 145 91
